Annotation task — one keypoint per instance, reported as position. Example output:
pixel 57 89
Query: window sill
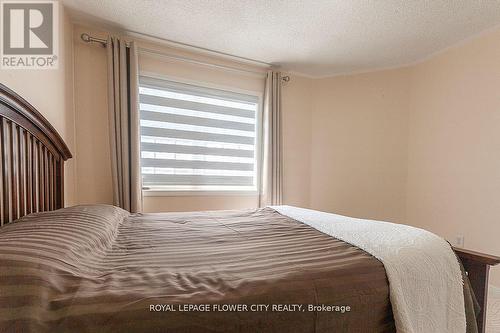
pixel 196 193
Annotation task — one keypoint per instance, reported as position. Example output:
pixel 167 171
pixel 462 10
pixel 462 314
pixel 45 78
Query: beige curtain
pixel 123 115
pixel 272 157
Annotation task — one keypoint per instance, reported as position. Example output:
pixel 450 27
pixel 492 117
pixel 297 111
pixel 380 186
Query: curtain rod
pixel 90 39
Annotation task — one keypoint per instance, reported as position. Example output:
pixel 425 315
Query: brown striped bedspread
pixel 97 269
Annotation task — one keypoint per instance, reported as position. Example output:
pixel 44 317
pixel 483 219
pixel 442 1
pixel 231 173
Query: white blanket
pixel 425 281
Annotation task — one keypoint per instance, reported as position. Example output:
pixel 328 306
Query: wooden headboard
pixel 32 160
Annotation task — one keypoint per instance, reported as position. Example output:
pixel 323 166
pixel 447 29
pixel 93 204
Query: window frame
pixel 165 192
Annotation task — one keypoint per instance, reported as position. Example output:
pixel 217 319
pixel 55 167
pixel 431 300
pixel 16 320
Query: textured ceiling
pixel 312 37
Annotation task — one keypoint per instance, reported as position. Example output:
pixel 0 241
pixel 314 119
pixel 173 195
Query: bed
pixel 98 268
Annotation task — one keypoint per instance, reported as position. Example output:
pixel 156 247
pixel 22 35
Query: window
pixel 196 138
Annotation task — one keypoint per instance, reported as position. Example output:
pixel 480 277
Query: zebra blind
pixel 197 138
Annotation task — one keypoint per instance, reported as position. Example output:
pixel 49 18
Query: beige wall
pixel 454 145
pixel 51 93
pixel 198 202
pixel 297 115
pixel 91 116
pixel 358 151
pixel 417 145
